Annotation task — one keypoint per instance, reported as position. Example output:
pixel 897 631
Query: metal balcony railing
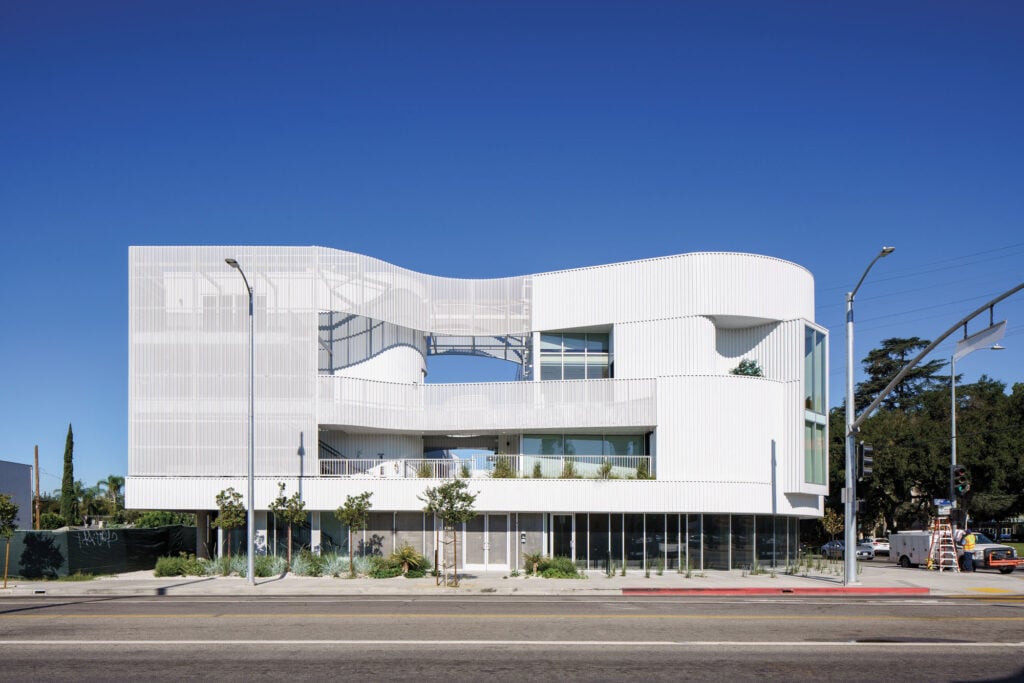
pixel 495 467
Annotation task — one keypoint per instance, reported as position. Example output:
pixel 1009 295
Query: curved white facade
pixel 342 345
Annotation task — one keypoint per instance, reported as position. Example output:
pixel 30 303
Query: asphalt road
pixel 502 638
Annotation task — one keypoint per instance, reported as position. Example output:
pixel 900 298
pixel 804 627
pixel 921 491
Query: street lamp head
pixel 997 347
pixel 233 263
pixel 887 250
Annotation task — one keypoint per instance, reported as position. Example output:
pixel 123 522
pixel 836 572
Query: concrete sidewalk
pixel 880 578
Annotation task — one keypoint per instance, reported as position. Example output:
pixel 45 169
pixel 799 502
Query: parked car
pixel 836 550
pixel 879 545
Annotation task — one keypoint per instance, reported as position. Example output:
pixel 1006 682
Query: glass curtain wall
pixel 565 356
pixel 582 541
pixel 673 544
pixel 716 541
pixel 599 541
pixel 742 541
pixel 815 411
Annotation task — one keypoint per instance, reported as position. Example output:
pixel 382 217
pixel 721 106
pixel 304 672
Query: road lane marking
pixel 464 617
pixel 524 643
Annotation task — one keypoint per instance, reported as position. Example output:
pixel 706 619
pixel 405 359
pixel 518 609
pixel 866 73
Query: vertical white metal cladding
pixel 375 289
pixel 503 406
pixel 188 360
pixel 690 284
pixel 777 348
pixel 671 346
pixel 719 428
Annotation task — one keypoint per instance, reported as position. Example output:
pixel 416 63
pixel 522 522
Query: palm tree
pixel 90 499
pixel 113 490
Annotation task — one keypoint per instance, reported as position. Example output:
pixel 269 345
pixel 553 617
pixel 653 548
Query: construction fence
pixel 52 554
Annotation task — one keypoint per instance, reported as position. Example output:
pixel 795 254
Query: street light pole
pixel 987 338
pixel 250 496
pixel 850 554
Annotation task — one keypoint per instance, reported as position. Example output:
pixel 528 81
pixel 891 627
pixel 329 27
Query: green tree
pixel 112 489
pixel 355 515
pixel 452 503
pixel 231 512
pixel 68 499
pixel 832 523
pixel 90 499
pixel 51 520
pixel 881 365
pixel 988 445
pixel 8 513
pixel 291 510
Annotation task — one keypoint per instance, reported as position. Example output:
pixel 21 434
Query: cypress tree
pixel 68 499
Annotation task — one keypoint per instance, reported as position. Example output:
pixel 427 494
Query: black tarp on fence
pixel 39 554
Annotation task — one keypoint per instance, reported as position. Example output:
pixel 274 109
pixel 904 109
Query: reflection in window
pixel 574 356
pixel 815 414
pixel 583 444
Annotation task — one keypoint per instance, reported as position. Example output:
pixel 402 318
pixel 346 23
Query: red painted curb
pixel 815 590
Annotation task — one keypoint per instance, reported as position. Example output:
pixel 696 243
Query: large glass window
pixel 694 558
pixel 716 541
pixel 742 541
pixel 634 541
pixel 543 444
pixel 815 414
pixel 672 544
pixel 656 542
pixel 583 444
pixel 599 541
pixel 574 356
pixel 582 540
pixel 815 452
pixel 814 370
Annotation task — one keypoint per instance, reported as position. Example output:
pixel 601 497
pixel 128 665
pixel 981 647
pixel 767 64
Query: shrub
pixel 558 568
pixel 530 559
pixel 363 565
pixel 334 565
pixel 183 565
pixel 568 470
pixel 407 558
pixel 502 468
pixel 51 520
pixel 464 471
pixel 307 564
pixel 384 568
pixel 643 470
pixel 424 470
pixel 605 469
pixel 415 574
pixel 155 518
pixel 537 473
pixel 263 566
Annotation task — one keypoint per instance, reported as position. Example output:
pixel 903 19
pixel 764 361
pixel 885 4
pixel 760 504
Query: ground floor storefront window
pixel 596 541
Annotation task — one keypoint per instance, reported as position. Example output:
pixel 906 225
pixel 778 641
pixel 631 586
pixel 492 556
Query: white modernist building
pixel 626 439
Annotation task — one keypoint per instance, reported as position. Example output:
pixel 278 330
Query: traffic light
pixel 960 481
pixel 866 453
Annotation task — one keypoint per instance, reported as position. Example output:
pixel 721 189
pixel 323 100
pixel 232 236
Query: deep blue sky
pixel 482 139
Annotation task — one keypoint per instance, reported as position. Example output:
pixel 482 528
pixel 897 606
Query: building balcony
pixel 455 408
pixel 494 467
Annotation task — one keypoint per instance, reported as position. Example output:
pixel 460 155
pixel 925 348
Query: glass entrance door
pixel 561 536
